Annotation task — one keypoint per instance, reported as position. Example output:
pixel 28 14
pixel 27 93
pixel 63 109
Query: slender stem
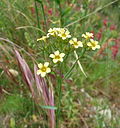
pixel 38 20
pixel 79 64
pixel 59 99
pixel 68 73
pixel 60 10
pixel 45 20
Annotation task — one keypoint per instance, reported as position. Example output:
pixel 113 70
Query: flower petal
pixel 38 72
pixel 61 59
pixel 46 64
pixel 76 46
pixel 93 48
pixel 63 38
pixel 62 54
pixel 43 74
pixel 89 44
pixel 75 39
pixel 40 65
pixel 52 56
pixel 91 40
pixel 83 35
pixel 98 46
pixel 80 43
pixel 56 52
pixel 38 39
pixel 50 30
pixel 71 41
pixel 55 60
pixel 48 70
pixel 68 36
pixel 96 42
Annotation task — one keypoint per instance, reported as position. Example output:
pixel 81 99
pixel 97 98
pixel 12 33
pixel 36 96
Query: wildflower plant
pixel 54 68
pixel 58 47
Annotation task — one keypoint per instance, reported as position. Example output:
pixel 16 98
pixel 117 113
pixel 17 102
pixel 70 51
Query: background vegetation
pixel 92 102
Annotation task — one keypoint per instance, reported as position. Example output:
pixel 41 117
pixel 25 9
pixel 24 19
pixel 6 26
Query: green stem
pixel 45 20
pixel 60 10
pixel 68 73
pixel 36 9
pixel 59 99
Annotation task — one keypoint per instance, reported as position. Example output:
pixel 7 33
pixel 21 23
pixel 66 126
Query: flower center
pixel 75 43
pixel 57 57
pixel 43 69
pixel 63 35
pixel 93 44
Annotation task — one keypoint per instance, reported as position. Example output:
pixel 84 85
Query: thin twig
pixel 79 64
pixel 23 27
pixel 6 92
pixel 84 121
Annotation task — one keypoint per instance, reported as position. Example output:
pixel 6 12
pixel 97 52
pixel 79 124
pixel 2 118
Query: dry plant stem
pixel 79 64
pixel 25 27
pixel 6 92
pixel 68 73
pixel 15 45
pixel 84 121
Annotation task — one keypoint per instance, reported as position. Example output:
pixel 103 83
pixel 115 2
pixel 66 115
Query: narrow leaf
pixel 49 107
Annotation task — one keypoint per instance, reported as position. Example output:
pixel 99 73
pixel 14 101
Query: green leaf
pixel 49 107
pixel 66 11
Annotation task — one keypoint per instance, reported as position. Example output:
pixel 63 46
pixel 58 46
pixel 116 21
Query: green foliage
pixel 15 104
pixel 29 40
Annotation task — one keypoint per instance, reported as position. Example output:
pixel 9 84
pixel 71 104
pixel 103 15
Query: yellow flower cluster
pixel 64 34
pixel 60 32
pixel 92 44
pixel 75 43
pixel 88 35
pixel 44 68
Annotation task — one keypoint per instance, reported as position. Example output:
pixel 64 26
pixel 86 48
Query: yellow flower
pixel 64 33
pixel 88 35
pixel 75 43
pixel 57 56
pixel 93 44
pixel 43 38
pixel 52 32
pixel 43 69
